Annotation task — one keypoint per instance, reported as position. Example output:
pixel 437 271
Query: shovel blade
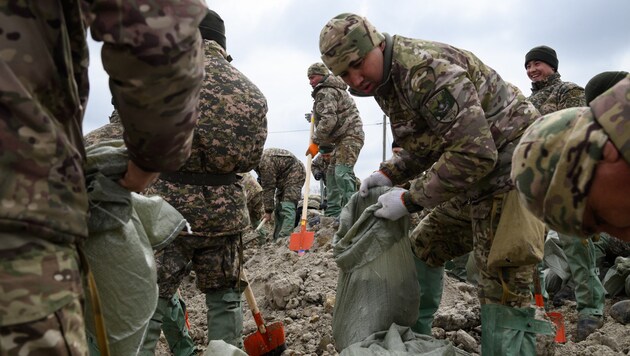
pixel 558 319
pixel 301 241
pixel 272 342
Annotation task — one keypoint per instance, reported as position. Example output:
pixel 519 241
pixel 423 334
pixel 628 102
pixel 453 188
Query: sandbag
pixel 377 283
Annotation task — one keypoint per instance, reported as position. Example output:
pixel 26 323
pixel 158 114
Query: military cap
pixel 213 28
pixel 602 82
pixel 542 53
pixel 345 39
pixel 317 68
pixel 554 163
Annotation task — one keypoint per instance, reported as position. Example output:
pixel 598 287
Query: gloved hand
pixel 375 179
pixel 307 116
pixel 323 205
pixel 312 149
pixel 393 205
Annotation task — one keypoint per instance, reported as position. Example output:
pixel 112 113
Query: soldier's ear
pixel 610 153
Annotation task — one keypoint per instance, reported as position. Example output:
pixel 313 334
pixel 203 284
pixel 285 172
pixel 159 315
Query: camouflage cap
pixel 346 38
pixel 317 68
pixel 554 162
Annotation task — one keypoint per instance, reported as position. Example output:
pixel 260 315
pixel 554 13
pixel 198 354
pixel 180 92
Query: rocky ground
pixel 299 292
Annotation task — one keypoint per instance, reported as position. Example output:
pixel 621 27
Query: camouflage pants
pixel 347 151
pixel 215 260
pixel 442 236
pixel 40 297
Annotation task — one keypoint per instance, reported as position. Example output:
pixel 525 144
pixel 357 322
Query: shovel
pixel 269 339
pixel 303 240
pixel 556 318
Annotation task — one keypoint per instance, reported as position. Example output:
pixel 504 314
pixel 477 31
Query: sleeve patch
pixel 443 106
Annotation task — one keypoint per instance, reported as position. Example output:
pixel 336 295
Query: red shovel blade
pixel 301 241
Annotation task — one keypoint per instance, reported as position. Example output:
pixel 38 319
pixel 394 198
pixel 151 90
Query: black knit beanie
pixel 213 28
pixel 602 82
pixel 543 54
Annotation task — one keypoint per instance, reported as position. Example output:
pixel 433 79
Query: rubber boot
pixel 587 324
pixel 155 328
pixel 431 281
pixel 287 213
pixel 510 331
pixel 589 290
pixel 346 183
pixel 175 329
pixel 225 317
pixel 333 195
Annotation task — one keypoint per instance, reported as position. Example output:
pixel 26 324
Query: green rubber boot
pixel 287 219
pixel 510 331
pixel 225 317
pixel 346 183
pixel 333 195
pixel 175 329
pixel 431 281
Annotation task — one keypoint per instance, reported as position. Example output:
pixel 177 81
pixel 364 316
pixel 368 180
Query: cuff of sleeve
pixel 409 204
pixel 267 211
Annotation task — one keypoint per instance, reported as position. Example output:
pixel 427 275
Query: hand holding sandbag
pixel 375 179
pixel 393 205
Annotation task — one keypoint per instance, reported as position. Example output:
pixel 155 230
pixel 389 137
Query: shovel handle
pixel 307 181
pixel 262 222
pixel 253 306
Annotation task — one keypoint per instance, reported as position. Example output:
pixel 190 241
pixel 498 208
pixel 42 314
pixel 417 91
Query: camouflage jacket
pixel 155 73
pixel 279 169
pixel 458 119
pixel 553 94
pixel 336 114
pixel 229 138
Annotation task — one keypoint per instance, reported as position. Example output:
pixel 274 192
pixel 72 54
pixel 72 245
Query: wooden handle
pixel 253 306
pixel 307 181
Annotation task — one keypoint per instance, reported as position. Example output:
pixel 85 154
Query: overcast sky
pixel 274 41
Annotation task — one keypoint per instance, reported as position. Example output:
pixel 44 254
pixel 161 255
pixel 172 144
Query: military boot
pixel 225 317
pixel 346 183
pixel 620 311
pixel 587 324
pixel 287 219
pixel 175 329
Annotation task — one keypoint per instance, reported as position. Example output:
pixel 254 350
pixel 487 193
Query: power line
pixel 306 130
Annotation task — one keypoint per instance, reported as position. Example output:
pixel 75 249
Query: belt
pixel 200 178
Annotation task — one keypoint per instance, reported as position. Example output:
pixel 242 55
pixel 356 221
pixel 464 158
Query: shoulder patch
pixel 442 106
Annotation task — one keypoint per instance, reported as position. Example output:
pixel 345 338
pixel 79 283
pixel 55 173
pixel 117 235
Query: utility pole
pixel 384 136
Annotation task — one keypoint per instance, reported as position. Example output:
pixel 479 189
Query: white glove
pixel 393 205
pixel 375 179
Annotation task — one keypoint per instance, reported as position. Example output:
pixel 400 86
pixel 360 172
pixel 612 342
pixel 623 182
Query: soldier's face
pixel 538 70
pixel 314 79
pixel 366 74
pixel 608 203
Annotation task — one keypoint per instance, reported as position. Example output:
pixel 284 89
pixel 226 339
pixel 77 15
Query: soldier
pixel 322 170
pixel 207 191
pixel 153 60
pixel 549 94
pixel 579 188
pixel 337 122
pixel 458 122
pixel 281 176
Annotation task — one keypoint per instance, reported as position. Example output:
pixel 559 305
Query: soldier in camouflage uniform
pixel 207 191
pixel 337 122
pixel 281 176
pixel 572 167
pixel 152 57
pixel 459 122
pixel 549 94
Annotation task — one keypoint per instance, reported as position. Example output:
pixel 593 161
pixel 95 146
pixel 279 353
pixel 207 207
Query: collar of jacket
pixel 319 85
pixel 551 80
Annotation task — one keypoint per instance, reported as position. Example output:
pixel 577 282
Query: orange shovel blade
pixel 558 319
pixel 272 342
pixel 301 241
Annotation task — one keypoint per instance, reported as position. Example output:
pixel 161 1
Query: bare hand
pixel 137 180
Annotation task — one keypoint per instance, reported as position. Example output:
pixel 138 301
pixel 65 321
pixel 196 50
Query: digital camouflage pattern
pixel 155 74
pixel 112 131
pixel 345 39
pixel 229 138
pixel 253 193
pixel 281 176
pixel 553 94
pixel 553 164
